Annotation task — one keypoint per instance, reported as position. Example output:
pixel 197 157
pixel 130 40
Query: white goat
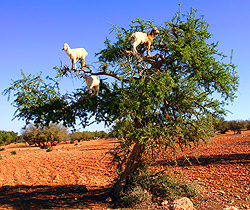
pixel 78 53
pixel 93 83
pixel 143 38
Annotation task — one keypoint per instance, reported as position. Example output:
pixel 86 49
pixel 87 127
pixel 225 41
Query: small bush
pixel 49 149
pixel 13 152
pixel 142 186
pixel 2 149
pixel 136 195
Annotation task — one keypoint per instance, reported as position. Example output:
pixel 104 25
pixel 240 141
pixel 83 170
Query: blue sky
pixel 32 34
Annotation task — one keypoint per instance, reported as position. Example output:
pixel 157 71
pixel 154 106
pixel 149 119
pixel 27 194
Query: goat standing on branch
pixel 78 53
pixel 143 38
pixel 93 83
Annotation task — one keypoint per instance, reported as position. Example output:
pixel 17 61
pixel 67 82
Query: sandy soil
pixel 79 176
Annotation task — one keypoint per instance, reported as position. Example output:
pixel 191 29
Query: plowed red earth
pixel 36 179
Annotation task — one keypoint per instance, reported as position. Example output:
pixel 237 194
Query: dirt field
pixel 36 179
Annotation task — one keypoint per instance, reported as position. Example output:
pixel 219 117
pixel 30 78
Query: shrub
pixel 142 186
pixel 49 149
pixel 13 152
pixel 136 195
pixel 2 149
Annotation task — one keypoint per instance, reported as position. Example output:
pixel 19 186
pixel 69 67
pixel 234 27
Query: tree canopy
pixel 45 136
pixel 6 137
pixel 157 101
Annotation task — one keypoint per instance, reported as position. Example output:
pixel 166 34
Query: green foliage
pixel 222 126
pixel 49 149
pixel 144 185
pixel 135 195
pixel 37 101
pixel 43 136
pixel 248 124
pixel 87 135
pixel 7 137
pixel 234 125
pixel 101 134
pixel 76 136
pixel 13 152
pixel 237 126
pixel 168 98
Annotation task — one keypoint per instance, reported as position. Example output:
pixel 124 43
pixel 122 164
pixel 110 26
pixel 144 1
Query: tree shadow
pixel 207 160
pixel 53 197
pixel 93 149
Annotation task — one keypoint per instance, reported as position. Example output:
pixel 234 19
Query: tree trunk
pixel 132 163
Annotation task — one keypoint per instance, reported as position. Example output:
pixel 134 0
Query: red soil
pixel 36 179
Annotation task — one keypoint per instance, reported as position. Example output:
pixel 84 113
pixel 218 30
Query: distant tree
pixel 248 124
pixel 56 133
pixel 1 141
pixel 7 137
pixel 14 135
pixel 102 134
pixel 44 136
pixel 167 98
pixel 237 126
pixel 76 136
pixel 222 126
pixel 30 134
pixel 88 135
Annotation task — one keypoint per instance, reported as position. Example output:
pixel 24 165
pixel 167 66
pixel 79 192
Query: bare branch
pixel 108 74
pixel 66 69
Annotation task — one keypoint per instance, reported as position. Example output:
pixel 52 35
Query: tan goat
pixel 143 38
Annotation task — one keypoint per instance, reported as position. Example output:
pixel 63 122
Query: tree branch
pixel 66 69
pixel 155 61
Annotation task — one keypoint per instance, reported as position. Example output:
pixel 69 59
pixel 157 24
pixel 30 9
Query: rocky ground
pixel 79 176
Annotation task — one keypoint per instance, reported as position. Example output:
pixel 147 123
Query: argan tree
pixel 237 126
pixel 45 137
pixel 7 137
pixel 156 101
